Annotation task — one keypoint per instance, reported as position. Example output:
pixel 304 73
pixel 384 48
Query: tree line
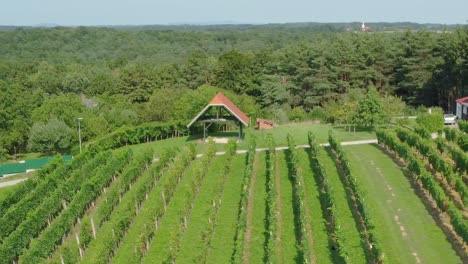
pixel 114 77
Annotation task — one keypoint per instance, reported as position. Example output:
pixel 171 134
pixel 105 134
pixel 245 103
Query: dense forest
pixel 113 77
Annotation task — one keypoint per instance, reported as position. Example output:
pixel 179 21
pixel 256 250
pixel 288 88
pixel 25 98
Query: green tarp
pixel 11 168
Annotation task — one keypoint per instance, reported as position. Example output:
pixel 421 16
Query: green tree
pixel 53 136
pixel 234 72
pixel 370 112
pixel 65 107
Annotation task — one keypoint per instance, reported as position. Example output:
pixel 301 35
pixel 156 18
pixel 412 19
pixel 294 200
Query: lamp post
pixel 79 131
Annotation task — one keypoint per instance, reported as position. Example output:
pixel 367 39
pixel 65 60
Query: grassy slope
pixel 223 239
pixel 349 227
pixel 160 247
pixel 257 241
pixel 297 130
pixel 398 199
pixel 192 244
pixel 320 248
pixel 288 238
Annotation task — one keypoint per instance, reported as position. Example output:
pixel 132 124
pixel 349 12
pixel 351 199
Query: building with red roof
pixel 220 109
pixel 462 108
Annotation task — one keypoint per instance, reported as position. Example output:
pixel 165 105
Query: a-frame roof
pixel 462 100
pixel 221 100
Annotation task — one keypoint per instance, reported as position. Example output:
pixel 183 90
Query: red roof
pixel 221 99
pixel 462 100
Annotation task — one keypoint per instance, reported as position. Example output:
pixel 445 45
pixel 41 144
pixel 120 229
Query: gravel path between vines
pixel 250 208
pixel 279 218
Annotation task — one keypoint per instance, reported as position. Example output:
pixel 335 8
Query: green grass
pixel 349 228
pixel 257 241
pixel 289 250
pixel 223 239
pixel 7 191
pixel 172 220
pixel 320 248
pixel 192 245
pixel 297 130
pixel 390 196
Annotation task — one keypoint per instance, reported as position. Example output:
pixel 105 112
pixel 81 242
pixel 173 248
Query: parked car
pixel 450 119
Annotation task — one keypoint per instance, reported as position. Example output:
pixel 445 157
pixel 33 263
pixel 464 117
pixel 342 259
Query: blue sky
pixel 138 12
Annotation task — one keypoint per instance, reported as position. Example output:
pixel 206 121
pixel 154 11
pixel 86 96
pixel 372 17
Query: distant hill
pixel 313 26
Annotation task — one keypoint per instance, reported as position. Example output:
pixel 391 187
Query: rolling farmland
pixel 353 204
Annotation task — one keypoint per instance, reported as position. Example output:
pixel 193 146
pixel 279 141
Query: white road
pixel 10 183
pixel 241 151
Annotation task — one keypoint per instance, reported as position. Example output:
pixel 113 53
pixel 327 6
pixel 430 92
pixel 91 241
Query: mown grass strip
pixel 289 243
pixel 394 205
pixel 358 197
pixel 259 216
pixel 223 239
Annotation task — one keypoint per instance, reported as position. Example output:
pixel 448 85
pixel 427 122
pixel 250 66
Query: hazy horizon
pixel 211 12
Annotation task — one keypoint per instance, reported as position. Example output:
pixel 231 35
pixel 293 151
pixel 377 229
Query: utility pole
pixel 79 131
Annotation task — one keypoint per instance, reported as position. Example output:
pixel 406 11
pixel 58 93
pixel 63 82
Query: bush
pixel 463 125
pixel 297 114
pixel 431 122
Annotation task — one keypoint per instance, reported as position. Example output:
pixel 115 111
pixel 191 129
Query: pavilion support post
pixel 240 131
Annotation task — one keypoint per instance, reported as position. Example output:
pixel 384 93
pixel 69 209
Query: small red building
pixel 264 124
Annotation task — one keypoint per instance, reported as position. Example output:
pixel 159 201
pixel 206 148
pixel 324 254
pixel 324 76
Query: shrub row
pixel 327 199
pixel 457 137
pixel 416 167
pixel 51 207
pixel 455 153
pixel 297 175
pixel 208 232
pixel 359 196
pixel 200 170
pixel 18 212
pixel 41 175
pixel 271 203
pixel 114 195
pixel 112 231
pixel 241 226
pixel 46 242
pixel 428 149
pixel 463 125
pixel 135 135
pixel 155 207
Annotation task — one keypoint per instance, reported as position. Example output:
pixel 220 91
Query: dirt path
pixel 11 183
pixel 279 253
pixel 250 208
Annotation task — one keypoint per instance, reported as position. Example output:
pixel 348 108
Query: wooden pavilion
pixel 220 110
